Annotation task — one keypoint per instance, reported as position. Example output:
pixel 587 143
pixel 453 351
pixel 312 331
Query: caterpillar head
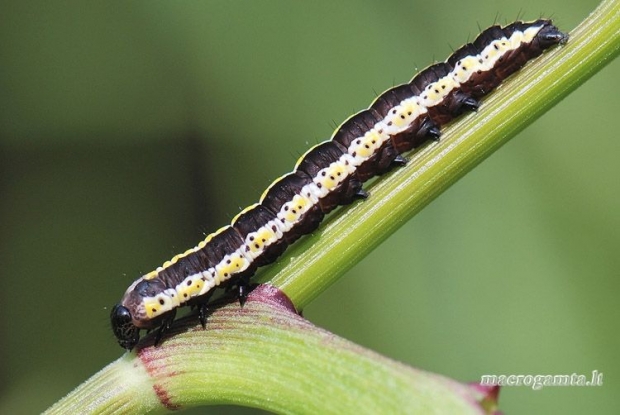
pixel 125 331
pixel 130 315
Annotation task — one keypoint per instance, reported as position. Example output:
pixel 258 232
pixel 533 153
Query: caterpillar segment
pixel 329 175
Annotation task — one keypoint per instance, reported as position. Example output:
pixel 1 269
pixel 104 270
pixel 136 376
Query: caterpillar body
pixel 330 174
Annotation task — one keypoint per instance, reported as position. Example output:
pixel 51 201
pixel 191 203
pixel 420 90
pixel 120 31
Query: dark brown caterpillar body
pixel 329 175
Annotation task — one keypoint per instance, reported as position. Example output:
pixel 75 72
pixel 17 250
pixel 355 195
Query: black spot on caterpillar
pixel 330 174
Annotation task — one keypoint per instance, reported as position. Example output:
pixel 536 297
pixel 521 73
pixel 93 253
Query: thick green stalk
pixel 265 355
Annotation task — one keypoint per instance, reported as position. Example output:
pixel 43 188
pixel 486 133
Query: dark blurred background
pixel 128 130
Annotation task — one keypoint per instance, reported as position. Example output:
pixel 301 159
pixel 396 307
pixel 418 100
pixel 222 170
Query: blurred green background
pixel 128 130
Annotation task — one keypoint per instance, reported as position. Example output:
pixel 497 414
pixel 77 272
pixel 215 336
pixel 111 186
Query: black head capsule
pixel 122 325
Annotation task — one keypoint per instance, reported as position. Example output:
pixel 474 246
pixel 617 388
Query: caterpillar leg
pixel 244 288
pixel 471 104
pixel 399 161
pixel 203 309
pixel 165 326
pixel 434 133
pixel 361 194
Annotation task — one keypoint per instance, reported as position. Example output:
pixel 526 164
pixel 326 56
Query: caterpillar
pixel 328 175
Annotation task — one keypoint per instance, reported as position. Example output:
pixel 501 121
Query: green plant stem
pixel 265 355
pixel 316 262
